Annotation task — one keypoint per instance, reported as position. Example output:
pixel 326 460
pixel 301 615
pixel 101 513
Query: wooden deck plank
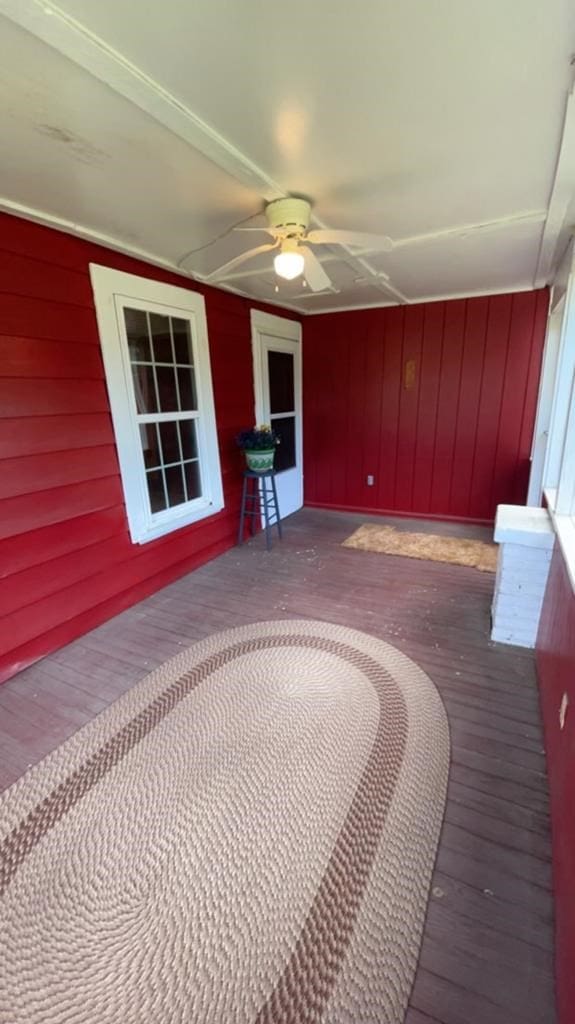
pixel 487 950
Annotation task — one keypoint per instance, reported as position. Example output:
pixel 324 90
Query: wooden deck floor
pixel 488 946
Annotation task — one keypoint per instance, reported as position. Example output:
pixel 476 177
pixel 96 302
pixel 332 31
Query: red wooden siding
pixel 454 444
pixel 66 559
pixel 556 670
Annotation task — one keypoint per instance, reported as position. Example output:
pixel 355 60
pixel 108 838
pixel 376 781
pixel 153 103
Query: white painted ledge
pixel 526 537
pixel 519 524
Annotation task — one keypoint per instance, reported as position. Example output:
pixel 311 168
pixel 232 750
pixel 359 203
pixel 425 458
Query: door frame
pixel 284 330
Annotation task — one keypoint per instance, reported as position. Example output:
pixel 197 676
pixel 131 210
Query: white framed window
pixel 155 348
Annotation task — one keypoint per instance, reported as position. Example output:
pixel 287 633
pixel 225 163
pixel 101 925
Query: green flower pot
pixel 260 461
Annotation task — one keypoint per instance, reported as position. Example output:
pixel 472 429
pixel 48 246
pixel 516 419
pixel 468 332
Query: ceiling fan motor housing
pixel 288 217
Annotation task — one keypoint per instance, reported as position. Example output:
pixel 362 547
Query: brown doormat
pixel 429 546
pixel 246 836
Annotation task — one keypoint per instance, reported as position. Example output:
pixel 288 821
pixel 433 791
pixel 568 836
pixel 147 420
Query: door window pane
pixel 144 388
pixel 161 338
pixel 280 370
pixel 285 451
pixel 136 323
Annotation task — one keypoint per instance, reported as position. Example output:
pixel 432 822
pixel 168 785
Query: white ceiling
pixel 158 127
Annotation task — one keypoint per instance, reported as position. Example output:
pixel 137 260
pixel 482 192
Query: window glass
pixel 182 341
pixel 138 335
pixel 170 442
pixel 161 338
pixel 155 481
pixel 285 457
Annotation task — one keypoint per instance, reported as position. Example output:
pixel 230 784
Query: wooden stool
pixel 260 499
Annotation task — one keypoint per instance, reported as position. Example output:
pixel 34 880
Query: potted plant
pixel 259 447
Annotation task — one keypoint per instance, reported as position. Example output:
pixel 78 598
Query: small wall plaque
pixel 409 375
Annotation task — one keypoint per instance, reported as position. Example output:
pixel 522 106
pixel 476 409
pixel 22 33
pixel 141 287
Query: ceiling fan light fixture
pixel 288 264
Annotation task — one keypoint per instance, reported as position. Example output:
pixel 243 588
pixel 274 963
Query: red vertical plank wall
pixel 66 559
pixel 556 671
pixel 436 401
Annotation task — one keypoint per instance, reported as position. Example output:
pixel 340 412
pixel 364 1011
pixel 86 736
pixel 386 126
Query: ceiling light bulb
pixel 288 264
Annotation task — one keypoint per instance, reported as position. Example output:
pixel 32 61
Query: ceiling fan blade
pixel 361 239
pixel 314 273
pixel 238 260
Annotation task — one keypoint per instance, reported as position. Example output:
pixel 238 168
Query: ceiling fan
pixel 288 222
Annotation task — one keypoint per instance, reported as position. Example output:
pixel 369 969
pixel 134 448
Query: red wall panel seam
pixel 463 336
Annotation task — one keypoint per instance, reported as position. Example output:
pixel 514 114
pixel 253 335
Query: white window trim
pixel 560 469
pixel 282 330
pixel 112 289
pixel 564 527
pixel 284 333
pixel 564 372
pixel 542 445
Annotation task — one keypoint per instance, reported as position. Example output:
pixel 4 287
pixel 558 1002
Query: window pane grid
pixel 159 367
pixel 161 357
pixel 174 475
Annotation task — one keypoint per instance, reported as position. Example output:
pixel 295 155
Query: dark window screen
pixel 280 369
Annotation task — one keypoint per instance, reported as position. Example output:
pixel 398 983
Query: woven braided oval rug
pixel 246 836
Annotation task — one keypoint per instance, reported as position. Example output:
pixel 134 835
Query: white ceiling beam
pixel 446 297
pixel 562 194
pixel 481 227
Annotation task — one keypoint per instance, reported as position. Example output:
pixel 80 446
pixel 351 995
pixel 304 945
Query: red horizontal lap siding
pixel 556 671
pixel 49 543
pixel 53 469
pixel 52 360
pixel 66 559
pixel 28 512
pixel 454 441
pixel 20 436
pixel 20 398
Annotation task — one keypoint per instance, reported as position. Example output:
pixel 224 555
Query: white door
pixel 276 346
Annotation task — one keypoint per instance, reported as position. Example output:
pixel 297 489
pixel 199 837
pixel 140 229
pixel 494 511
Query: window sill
pixel 160 529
